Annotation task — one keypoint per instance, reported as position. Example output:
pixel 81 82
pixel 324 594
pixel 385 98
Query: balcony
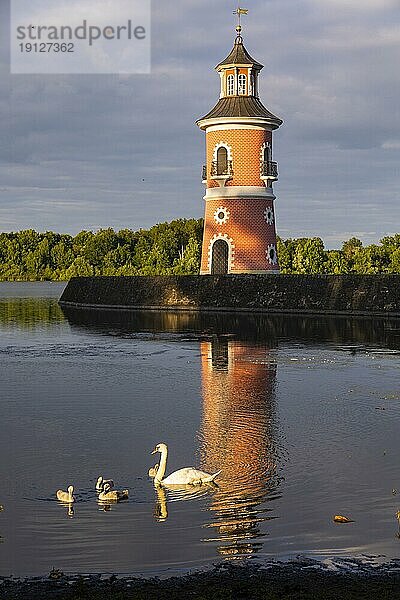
pixel 218 170
pixel 220 173
pixel 269 170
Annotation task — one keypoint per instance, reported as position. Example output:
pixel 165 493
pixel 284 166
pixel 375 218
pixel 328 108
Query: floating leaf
pixel 341 519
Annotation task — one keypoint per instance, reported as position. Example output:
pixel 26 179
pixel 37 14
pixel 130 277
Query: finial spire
pixel 239 12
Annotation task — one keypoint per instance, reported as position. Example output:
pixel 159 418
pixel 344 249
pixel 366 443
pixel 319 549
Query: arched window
pixel 222 161
pixel 266 166
pixel 230 81
pixel 220 258
pixel 267 154
pixel 242 84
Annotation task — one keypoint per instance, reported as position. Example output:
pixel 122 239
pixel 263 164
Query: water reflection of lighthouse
pixel 238 436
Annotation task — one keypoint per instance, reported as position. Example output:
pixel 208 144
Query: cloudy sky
pixel 91 151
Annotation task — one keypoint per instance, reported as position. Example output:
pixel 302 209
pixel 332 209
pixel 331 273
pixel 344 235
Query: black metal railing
pixel 221 170
pixel 269 168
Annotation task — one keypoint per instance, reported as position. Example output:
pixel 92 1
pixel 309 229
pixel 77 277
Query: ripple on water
pixel 301 431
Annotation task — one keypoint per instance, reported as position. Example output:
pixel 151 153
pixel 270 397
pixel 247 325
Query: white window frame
pixel 230 85
pixel 242 84
pixel 220 145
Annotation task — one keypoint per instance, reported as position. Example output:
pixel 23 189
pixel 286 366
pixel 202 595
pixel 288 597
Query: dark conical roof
pixel 242 106
pixel 239 56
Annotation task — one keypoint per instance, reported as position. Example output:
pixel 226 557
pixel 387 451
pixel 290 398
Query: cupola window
pixel 242 84
pixel 230 81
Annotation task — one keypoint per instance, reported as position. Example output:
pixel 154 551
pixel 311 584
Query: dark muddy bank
pixel 300 580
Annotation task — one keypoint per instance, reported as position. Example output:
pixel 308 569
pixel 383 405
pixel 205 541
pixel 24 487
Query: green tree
pixel 286 251
pixel 391 242
pixel 99 245
pixel 336 263
pixel 370 260
pixel 79 268
pixel 80 240
pixel 62 255
pixel 351 249
pixel 309 256
pixel 394 264
pixel 188 262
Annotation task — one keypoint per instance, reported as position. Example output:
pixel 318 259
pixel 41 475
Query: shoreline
pixel 302 579
pixel 228 309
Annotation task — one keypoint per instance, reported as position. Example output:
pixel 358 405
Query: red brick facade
pixel 246 147
pixel 247 231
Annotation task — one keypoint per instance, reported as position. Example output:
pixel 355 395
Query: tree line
pixel 308 255
pixel 168 249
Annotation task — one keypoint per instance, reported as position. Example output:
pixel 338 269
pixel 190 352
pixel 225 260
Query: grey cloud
pixel 76 149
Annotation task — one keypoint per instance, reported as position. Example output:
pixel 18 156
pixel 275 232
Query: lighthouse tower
pixel 239 224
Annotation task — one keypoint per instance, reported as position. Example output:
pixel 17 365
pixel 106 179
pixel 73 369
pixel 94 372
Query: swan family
pixel 183 477
pixel 104 489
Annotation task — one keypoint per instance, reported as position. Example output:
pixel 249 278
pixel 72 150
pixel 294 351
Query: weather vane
pixel 239 12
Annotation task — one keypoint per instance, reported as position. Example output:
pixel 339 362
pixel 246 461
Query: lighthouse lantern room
pixel 239 224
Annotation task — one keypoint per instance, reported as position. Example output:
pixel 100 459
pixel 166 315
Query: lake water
pixel 301 414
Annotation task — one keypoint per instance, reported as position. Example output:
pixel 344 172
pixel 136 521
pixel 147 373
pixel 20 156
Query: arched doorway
pixel 220 258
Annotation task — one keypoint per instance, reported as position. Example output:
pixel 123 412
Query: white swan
pixel 185 476
pixel 66 496
pixel 101 482
pixel 114 495
pixel 153 470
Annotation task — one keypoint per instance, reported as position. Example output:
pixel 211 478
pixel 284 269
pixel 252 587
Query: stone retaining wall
pixel 319 294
